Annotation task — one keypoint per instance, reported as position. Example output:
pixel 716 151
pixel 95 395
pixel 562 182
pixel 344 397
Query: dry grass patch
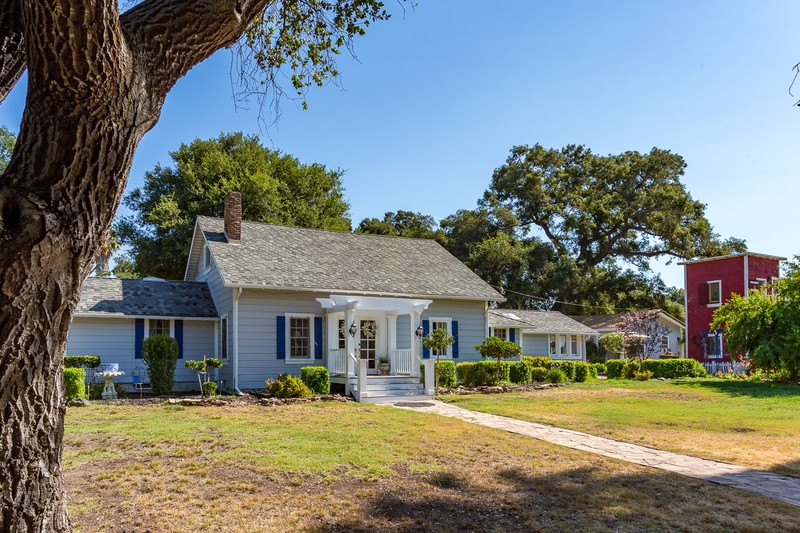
pixel 754 425
pixel 348 467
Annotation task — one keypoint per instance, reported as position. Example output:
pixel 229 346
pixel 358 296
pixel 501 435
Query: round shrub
pixel 568 367
pixel 643 375
pixel 74 383
pixel 209 389
pixel 539 374
pixel 581 372
pixel 287 386
pixel 630 369
pixel 520 372
pixel 160 353
pixel 556 375
pixel 599 368
pixel 316 378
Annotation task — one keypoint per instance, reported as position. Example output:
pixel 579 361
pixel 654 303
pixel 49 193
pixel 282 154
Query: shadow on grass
pixel 765 390
pixel 582 499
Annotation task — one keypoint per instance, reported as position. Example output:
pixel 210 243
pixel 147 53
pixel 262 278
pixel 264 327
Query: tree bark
pixel 96 85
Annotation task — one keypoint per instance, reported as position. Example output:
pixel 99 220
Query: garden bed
pixel 497 389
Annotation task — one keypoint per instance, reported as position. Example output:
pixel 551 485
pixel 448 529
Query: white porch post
pixel 350 345
pixel 391 328
pixel 362 379
pixel 414 324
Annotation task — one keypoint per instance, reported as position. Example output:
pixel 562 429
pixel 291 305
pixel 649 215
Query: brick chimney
pixel 233 216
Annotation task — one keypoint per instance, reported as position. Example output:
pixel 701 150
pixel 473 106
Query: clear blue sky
pixel 440 95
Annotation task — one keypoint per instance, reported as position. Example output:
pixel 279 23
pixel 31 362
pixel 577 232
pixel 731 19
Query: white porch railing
pixel 712 367
pixel 337 362
pixel 403 362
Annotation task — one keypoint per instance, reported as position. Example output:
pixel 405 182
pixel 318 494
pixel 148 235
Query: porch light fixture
pixel 418 332
pixel 353 329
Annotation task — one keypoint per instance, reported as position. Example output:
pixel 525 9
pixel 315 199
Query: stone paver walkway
pixel 783 488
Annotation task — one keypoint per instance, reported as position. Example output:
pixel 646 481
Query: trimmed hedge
pixel 520 372
pixel 614 368
pixel 599 368
pixel 446 370
pixel 556 375
pixel 288 386
pixel 160 353
pixel 78 361
pixel 538 361
pixel 661 368
pixel 74 383
pixel 568 367
pixel 483 373
pixel 539 374
pixel 316 378
pixel 674 368
pixel 584 372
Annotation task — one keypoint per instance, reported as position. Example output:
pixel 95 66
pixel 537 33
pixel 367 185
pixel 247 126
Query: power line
pixel 565 303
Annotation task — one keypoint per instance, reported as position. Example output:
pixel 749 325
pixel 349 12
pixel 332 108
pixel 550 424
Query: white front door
pixel 368 343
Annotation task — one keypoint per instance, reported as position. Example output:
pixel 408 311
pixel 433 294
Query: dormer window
pixel 206 258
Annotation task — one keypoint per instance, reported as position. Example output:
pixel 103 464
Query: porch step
pixel 393 386
pixel 375 398
pixel 387 380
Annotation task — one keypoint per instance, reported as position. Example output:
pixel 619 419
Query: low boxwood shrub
pixel 538 361
pixel 483 373
pixel 584 372
pixel 592 369
pixel 288 386
pixel 568 367
pixel 674 368
pixel 209 389
pixel 74 383
pixel 614 368
pixel 96 391
pixel 599 368
pixel 630 369
pixel 520 372
pixel 643 375
pixel 316 378
pixel 539 374
pixel 78 361
pixel 556 375
pixel 446 370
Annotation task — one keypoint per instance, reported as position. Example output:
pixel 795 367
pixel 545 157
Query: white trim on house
pixel 366 294
pixel 146 317
pixel 746 276
pixel 708 284
pixel 147 326
pixel 191 245
pixel 207 259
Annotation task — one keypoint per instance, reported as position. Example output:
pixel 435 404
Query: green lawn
pixel 752 424
pixel 351 467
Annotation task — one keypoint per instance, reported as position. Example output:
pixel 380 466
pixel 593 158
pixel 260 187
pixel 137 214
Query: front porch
pixel 365 330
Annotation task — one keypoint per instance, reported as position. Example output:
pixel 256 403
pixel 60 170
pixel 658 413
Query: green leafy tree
pixel 124 268
pixel 438 341
pixel 765 326
pixel 612 345
pixel 496 348
pixel 592 208
pixel 401 224
pixel 275 187
pixel 201 368
pixel 7 142
pixel 160 353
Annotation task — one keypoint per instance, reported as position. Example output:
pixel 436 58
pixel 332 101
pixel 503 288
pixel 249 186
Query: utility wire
pixel 566 303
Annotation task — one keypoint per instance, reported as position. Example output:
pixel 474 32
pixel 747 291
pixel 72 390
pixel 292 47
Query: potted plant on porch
pixel 383 365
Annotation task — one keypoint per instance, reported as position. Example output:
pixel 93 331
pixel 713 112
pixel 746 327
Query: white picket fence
pixel 712 367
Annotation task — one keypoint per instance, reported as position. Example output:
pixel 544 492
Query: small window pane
pixel 439 324
pixel 714 292
pixel 552 344
pixel 501 333
pixel 574 345
pixel 563 344
pixel 158 327
pixel 342 333
pixel 299 338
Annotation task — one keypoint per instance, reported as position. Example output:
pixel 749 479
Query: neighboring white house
pixel 673 341
pixel 542 333
pixel 289 297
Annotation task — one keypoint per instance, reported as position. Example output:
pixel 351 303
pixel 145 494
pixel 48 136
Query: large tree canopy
pixel 401 224
pixel 97 78
pixel 275 188
pixel 592 208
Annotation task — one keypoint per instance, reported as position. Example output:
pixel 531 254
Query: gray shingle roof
pixel 537 321
pixel 612 321
pixel 136 297
pixel 273 256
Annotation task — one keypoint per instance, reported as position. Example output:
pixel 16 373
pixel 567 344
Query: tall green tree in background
pixel 275 187
pixel 401 224
pixel 7 141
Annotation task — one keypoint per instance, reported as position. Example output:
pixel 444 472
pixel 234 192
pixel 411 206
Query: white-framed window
pixel 206 258
pixel 299 337
pixel 158 326
pixel 223 337
pixel 714 292
pixel 564 345
pixel 714 345
pixel 445 324
pixel 342 334
pixel 501 333
pixel 664 343
pixel 573 345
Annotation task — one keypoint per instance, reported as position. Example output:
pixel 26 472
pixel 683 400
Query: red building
pixel 711 282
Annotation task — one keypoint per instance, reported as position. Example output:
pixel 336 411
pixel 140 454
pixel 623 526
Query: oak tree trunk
pixel 96 84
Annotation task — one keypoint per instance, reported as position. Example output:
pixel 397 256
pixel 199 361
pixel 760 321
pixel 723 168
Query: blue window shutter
pixel 490 332
pixel 317 337
pixel 454 325
pixel 280 337
pixel 138 338
pixel 512 334
pixel 179 337
pixel 426 328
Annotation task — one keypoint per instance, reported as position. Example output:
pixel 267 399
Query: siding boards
pixel 113 340
pixel 471 316
pixel 535 344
